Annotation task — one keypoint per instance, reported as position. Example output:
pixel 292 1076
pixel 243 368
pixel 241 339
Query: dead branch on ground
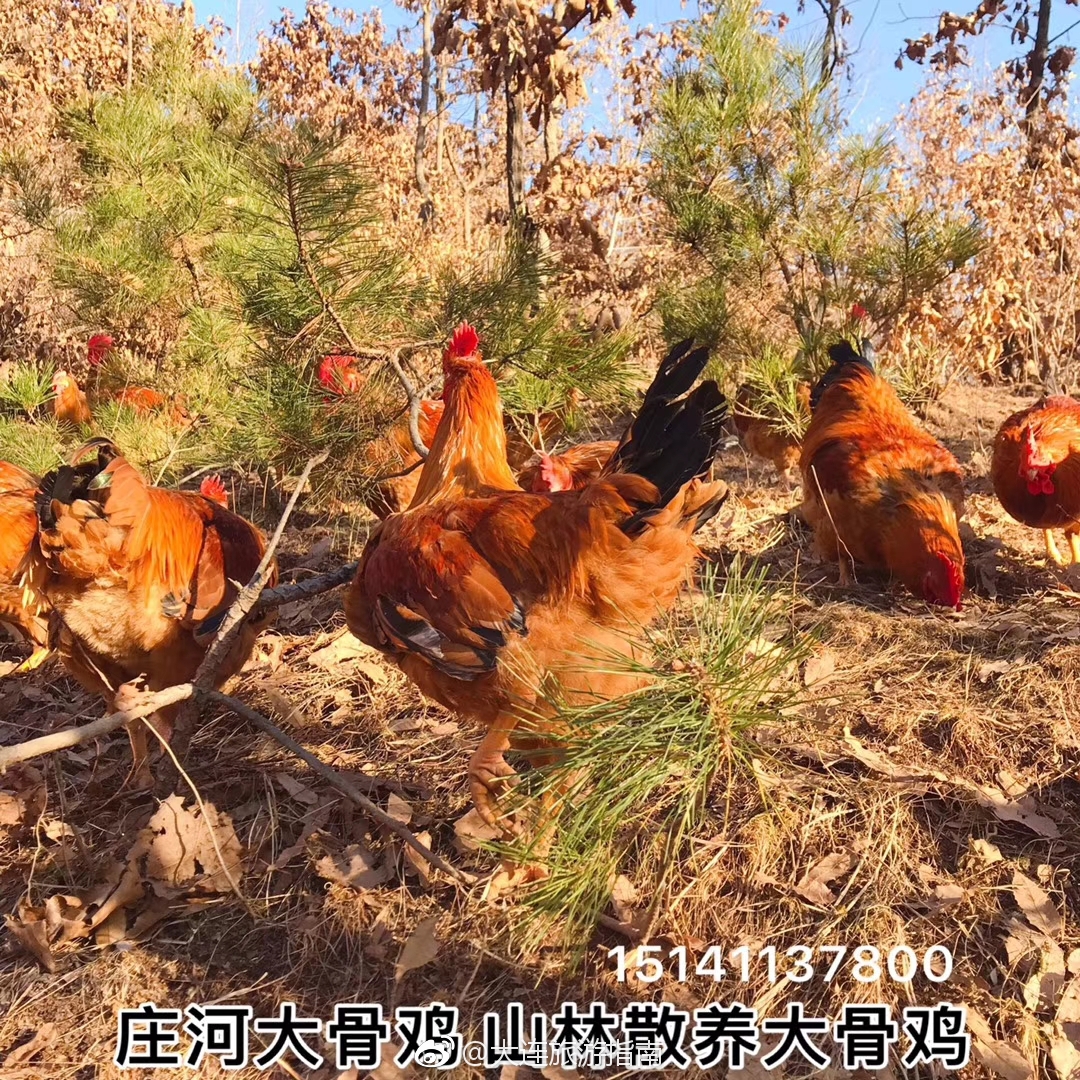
pixel 150 702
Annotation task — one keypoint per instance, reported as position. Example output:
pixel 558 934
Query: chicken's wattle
pixel 1040 483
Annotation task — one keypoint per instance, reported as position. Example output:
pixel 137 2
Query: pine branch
pixel 288 594
pixel 392 358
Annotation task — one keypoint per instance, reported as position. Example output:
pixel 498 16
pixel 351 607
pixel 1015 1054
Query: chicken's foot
pixel 847 571
pixel 489 772
pixel 141 778
pixel 33 661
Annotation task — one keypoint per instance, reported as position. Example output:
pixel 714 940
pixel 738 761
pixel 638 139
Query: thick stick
pixel 286 594
pixel 63 740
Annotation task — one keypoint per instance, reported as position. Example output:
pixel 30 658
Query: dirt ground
pixel 925 794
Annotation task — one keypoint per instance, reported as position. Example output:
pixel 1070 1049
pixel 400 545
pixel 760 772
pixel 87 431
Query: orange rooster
pixel 69 402
pixel 481 591
pixel 139 578
pixel 394 463
pixel 1036 471
pixel 761 438
pixel 22 605
pixel 877 489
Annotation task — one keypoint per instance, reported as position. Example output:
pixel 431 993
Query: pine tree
pixel 792 223
pixel 160 166
pixel 230 253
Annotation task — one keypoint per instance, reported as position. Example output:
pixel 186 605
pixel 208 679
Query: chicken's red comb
pixel 956 580
pixel 97 348
pixel 465 342
pixel 213 489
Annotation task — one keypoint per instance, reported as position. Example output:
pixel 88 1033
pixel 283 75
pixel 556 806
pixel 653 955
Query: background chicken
pixel 481 590
pixel 22 604
pixel 340 375
pixel 392 461
pixel 763 437
pixel 103 387
pixel 877 489
pixel 69 401
pixel 568 471
pixel 98 348
pixel 139 578
pixel 213 489
pixel 1036 471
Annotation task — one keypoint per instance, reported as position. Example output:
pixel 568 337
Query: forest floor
pixel 925 794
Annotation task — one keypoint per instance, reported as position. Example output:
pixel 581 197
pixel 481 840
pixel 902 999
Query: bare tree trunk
pixel 441 69
pixel 1036 61
pixel 515 145
pixel 427 207
pixel 832 45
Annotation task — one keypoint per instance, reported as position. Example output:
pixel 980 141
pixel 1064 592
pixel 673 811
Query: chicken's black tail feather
pixel 72 481
pixel 843 357
pixel 676 434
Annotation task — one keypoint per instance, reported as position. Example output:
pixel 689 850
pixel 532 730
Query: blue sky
pixel 877 90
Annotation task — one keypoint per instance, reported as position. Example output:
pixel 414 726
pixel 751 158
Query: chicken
pixel 69 402
pixel 340 375
pixel 569 471
pixel 762 438
pixel 485 595
pixel 139 578
pixel 22 604
pixel 140 399
pixel 394 464
pixel 213 489
pixel 877 489
pixel 1036 471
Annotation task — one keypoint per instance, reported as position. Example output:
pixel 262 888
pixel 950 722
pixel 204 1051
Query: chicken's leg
pixel 511 875
pixel 1074 546
pixel 1052 551
pixel 128 694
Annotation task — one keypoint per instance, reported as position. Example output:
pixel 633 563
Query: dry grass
pixel 891 765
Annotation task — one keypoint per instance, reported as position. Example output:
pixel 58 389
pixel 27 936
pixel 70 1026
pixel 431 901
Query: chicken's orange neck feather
pixel 468 453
